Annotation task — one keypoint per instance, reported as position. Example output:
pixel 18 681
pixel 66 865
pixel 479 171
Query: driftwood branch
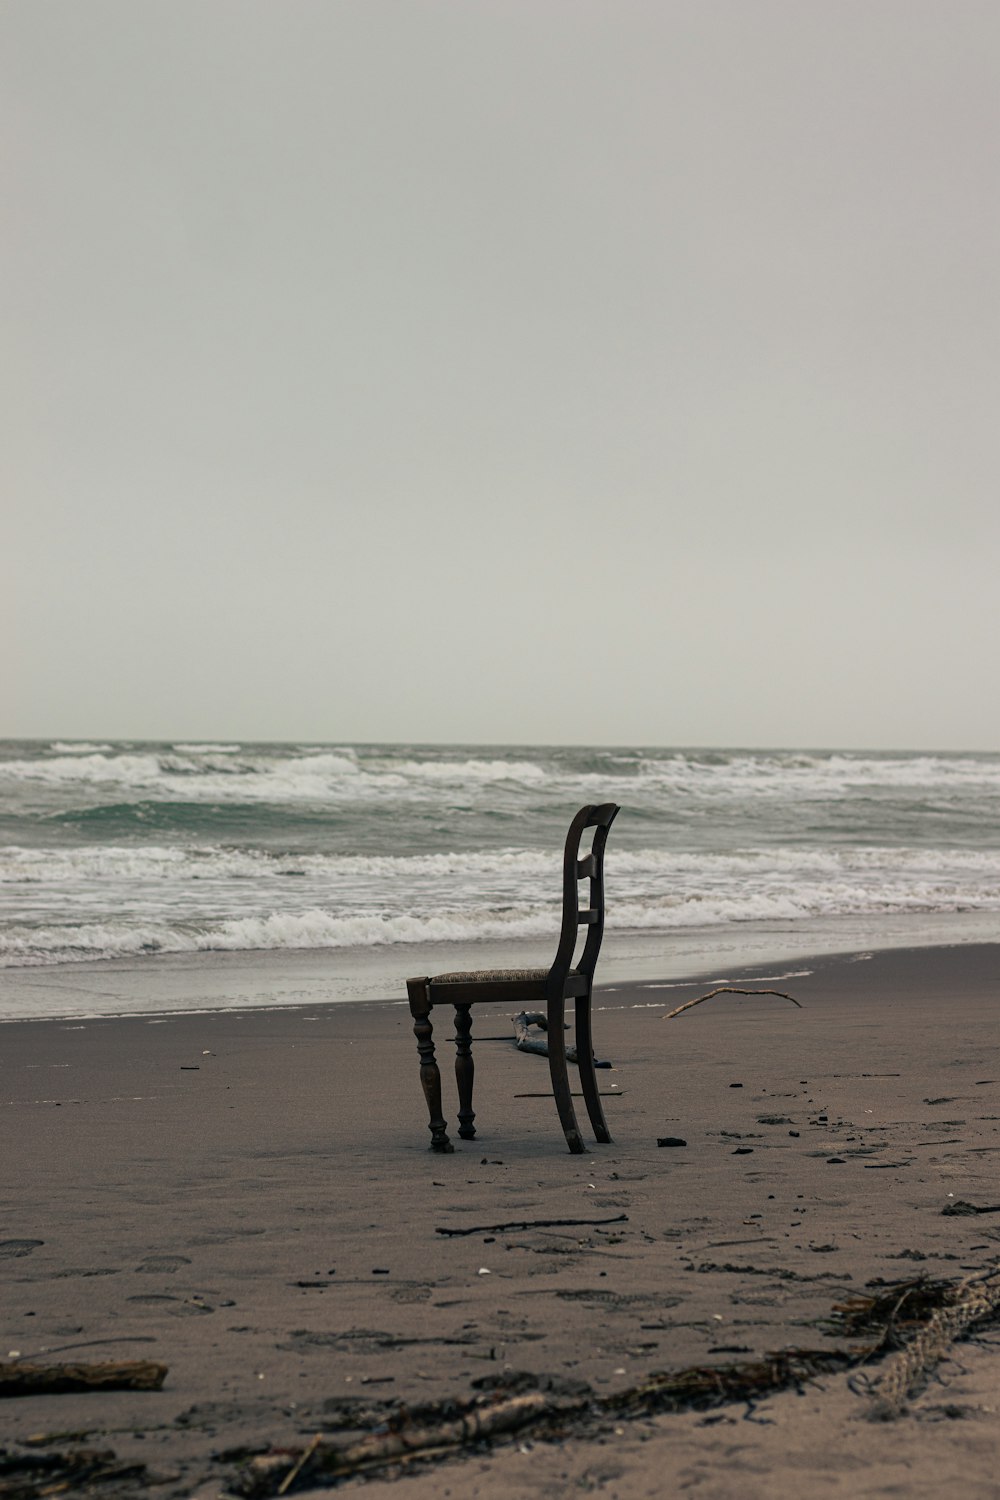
pixel 57 1380
pixel 297 1468
pixel 446 1426
pixel 405 1436
pixel 927 1317
pixel 727 989
pixel 528 1224
pixel 527 1040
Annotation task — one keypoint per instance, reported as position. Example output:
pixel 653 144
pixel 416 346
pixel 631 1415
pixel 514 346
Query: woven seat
pixel 491 976
pixel 551 988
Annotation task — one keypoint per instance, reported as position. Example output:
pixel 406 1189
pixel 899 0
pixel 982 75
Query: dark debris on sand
pixel 359 1437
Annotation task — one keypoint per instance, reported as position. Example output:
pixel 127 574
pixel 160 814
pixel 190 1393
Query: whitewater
pixel 129 851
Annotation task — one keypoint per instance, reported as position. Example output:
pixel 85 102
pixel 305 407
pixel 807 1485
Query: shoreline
pixel 205 981
pixel 247 1196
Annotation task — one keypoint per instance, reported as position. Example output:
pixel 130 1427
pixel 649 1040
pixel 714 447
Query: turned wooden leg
pixel 556 1037
pixel 430 1076
pixel 464 1071
pixel 588 1077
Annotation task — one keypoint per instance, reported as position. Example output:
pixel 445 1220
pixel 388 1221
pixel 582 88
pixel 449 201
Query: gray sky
pixel 517 370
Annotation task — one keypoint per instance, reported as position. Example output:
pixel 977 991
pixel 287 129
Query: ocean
pixel 127 851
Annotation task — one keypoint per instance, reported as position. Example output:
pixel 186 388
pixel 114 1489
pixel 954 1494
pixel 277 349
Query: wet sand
pixel 248 1198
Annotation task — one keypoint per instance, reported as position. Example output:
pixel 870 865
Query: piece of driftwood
pixel 527 1040
pixel 527 1224
pixel 726 989
pixel 296 1470
pixel 445 1427
pixel 57 1380
pixel 919 1319
pixel 404 1436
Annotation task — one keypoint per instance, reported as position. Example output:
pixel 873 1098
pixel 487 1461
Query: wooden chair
pixel 528 989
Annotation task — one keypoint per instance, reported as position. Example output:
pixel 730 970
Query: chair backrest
pixel 575 916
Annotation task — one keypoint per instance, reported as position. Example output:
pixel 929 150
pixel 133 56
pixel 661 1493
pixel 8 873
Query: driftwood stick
pixel 727 989
pixel 57 1380
pixel 297 1468
pixel 941 1313
pixel 447 1426
pixel 528 1224
pixel 473 1425
pixel 402 1438
pixel 526 1042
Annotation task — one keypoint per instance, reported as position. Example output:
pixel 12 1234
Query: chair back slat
pixel 591 868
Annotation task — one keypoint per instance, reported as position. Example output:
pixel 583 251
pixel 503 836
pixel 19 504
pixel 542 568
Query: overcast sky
pixel 502 370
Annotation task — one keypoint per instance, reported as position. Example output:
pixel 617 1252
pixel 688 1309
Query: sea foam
pixel 125 849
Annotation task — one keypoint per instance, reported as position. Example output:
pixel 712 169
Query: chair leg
pixel 560 1079
pixel 588 1077
pixel 430 1076
pixel 464 1071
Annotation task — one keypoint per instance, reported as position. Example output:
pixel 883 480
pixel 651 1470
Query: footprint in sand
pixel 14 1249
pixel 220 1236
pixel 163 1265
pixel 180 1308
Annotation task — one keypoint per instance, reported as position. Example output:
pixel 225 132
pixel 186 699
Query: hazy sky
pixel 518 370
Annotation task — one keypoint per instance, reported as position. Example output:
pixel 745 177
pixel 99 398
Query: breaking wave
pixel 253 773
pixel 118 849
pixel 196 900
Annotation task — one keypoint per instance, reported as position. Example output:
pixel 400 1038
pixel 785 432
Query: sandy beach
pixel 247 1197
pixel 443 437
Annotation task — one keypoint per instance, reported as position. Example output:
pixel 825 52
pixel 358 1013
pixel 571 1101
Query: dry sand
pixel 248 1197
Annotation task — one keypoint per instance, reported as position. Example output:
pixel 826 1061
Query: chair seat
pixel 492 976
